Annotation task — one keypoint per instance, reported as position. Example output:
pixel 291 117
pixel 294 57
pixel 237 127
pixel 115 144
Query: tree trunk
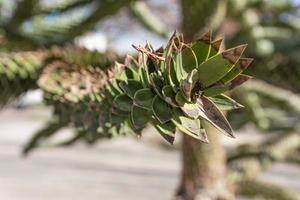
pixel 203 165
pixel 203 169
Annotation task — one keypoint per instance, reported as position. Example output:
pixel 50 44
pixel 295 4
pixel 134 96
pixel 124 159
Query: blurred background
pixel 261 163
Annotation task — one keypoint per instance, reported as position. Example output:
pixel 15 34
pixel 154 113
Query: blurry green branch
pixel 108 101
pixel 19 71
pixel 246 162
pixel 29 27
pixel 34 23
pixel 103 9
pixel 285 98
pixel 64 6
pixel 23 11
pixel 268 191
pixel 142 13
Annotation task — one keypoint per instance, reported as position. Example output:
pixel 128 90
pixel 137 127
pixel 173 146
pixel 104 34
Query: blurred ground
pixel 125 169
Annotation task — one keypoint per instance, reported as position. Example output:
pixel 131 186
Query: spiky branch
pixel 167 88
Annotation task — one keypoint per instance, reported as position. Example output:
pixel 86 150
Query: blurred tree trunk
pixel 203 169
pixel 198 15
pixel 203 165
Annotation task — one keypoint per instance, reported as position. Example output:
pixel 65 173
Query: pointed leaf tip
pixel 234 54
pixel 167 130
pixel 212 114
pixel 225 103
pixel 217 44
pixel 245 62
pixel 206 37
pixel 204 137
pixel 239 80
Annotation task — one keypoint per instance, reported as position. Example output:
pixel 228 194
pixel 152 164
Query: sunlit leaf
pixel 225 103
pixel 167 131
pixel 211 113
pixel 242 64
pixel 217 66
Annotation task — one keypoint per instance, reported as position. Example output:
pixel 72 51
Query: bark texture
pixel 203 169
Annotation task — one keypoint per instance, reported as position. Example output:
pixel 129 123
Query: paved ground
pixel 122 169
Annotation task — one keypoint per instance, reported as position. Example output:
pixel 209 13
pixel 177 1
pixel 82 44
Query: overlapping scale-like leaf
pixel 219 65
pixel 225 103
pixel 178 87
pixel 143 98
pixel 161 110
pixel 242 64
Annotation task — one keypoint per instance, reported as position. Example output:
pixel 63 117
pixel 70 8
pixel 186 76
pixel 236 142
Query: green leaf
pixel 189 126
pixel 156 83
pixel 162 111
pixel 193 125
pixel 123 102
pixel 143 98
pixel 167 130
pixel 143 76
pixel 116 110
pixel 190 109
pixel 169 95
pixel 215 90
pixel 162 67
pixel 180 99
pixel 219 65
pixel 180 73
pixel 173 81
pixel 221 88
pixel 135 130
pixel 242 64
pixel 140 117
pixel 189 60
pixel 225 103
pixel 130 87
pixel 211 113
pixel 201 47
pixel 131 74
